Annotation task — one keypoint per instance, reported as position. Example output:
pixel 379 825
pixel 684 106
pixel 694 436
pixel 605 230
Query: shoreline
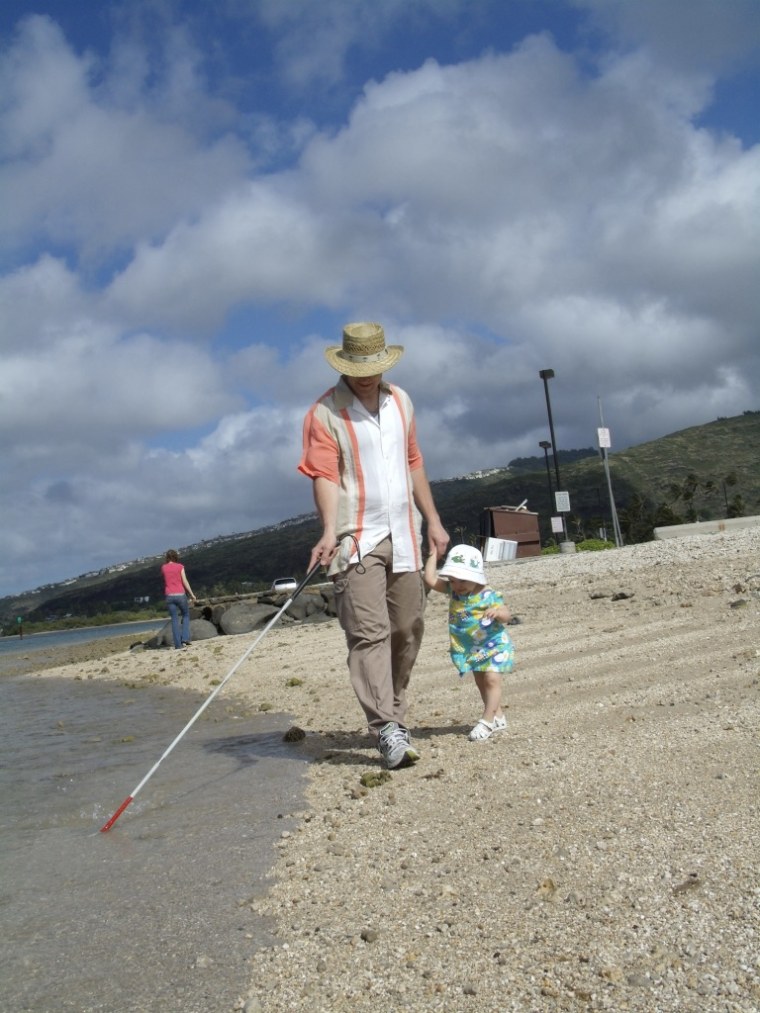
pixel 600 854
pixel 41 659
pixel 78 629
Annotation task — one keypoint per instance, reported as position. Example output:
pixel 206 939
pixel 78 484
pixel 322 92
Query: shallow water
pixel 153 914
pixel 47 641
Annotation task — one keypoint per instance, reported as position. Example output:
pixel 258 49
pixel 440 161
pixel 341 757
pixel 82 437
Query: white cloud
pixel 81 168
pixel 260 243
pixel 474 192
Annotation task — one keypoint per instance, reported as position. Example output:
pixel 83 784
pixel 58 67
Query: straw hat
pixel 364 351
pixel 464 563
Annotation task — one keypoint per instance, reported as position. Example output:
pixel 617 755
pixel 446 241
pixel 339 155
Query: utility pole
pixel 604 444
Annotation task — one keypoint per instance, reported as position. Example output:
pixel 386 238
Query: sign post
pixel 562 506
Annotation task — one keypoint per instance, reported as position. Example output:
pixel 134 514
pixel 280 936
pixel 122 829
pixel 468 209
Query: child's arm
pixel 500 612
pixel 430 574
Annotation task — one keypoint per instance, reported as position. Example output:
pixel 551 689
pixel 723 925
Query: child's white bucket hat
pixel 465 563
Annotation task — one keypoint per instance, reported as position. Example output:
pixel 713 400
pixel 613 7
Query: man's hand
pixel 438 538
pixel 324 551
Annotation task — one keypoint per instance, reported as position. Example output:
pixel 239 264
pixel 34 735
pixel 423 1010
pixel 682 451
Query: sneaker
pixel 395 746
pixel 411 753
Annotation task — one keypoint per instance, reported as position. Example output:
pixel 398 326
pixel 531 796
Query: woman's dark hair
pixel 172 556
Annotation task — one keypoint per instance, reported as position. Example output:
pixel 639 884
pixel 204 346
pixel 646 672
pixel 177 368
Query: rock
pixel 318 617
pixel 202 629
pixel 163 638
pixel 328 596
pixel 243 617
pixel 216 613
pixel 305 606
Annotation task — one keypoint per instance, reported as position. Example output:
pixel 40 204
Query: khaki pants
pixel 381 614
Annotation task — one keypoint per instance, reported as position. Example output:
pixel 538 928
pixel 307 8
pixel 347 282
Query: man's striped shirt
pixel 371 459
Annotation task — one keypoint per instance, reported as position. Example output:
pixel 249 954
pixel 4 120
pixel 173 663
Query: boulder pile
pixel 236 614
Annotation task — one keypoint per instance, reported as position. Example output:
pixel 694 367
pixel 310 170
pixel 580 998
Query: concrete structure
pixel 706 527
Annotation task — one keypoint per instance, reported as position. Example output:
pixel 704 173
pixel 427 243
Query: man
pixel 370 488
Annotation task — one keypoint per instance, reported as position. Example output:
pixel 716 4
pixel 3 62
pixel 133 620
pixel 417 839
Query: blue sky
pixel 196 197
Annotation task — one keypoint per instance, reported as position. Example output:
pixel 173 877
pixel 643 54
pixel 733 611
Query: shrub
pixel 594 545
pixel 587 545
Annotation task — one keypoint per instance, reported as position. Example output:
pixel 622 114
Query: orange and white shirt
pixel 371 459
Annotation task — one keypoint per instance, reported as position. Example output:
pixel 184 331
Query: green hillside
pixel 700 473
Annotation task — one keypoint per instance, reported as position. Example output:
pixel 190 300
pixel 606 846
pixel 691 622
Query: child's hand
pixel 498 612
pixel 430 574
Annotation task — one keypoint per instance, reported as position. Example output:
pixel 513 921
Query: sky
pixel 196 197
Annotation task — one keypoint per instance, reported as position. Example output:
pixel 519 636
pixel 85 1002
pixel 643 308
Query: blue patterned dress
pixel 478 644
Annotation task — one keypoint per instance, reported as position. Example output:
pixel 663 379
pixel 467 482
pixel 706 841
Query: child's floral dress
pixel 478 644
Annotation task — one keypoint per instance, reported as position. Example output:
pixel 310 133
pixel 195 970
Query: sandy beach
pixel 601 854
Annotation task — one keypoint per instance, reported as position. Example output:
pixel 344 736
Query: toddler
pixel 479 643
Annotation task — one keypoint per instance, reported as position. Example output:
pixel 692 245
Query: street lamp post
pixel 544 445
pixel 546 375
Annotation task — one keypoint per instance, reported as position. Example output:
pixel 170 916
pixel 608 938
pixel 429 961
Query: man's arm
pixel 326 500
pixel 438 537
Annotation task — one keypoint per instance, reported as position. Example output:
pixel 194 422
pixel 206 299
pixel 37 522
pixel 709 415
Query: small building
pixel 515 524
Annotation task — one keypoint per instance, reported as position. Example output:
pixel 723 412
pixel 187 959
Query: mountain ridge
pixel 704 471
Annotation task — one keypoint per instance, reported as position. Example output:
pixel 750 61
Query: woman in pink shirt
pixel 177 589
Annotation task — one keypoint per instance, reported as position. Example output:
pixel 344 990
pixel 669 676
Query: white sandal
pixel 485 729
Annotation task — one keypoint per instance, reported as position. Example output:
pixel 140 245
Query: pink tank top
pixel 173 578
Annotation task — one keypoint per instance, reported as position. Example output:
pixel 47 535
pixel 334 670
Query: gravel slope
pixel 601 855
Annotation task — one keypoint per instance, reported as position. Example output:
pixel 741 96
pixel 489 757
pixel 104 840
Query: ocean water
pixel 63 638
pixel 153 915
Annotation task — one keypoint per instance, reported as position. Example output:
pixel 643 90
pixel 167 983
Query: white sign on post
pixel 562 502
pixel 558 527
pixel 604 439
